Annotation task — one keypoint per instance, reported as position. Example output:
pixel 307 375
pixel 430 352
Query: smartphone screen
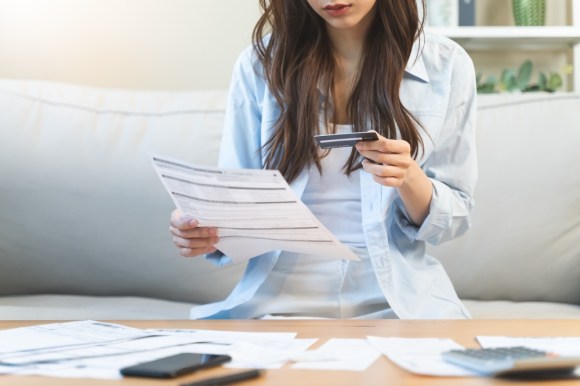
pixel 174 365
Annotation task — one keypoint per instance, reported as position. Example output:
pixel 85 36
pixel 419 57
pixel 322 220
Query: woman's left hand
pixel 392 165
pixel 388 160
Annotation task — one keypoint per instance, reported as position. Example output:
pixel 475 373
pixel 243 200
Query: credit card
pixel 329 141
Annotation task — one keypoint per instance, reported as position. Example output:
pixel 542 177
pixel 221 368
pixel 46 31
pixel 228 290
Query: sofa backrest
pixel 81 208
pixel 524 243
pixel 82 211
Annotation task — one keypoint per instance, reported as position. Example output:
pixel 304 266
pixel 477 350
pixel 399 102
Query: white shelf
pixel 566 38
pixel 524 38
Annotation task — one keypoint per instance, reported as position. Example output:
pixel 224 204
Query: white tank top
pixel 311 286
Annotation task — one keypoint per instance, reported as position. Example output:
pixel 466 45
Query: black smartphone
pixel 174 365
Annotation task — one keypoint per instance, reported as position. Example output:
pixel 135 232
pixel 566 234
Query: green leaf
pixel 531 88
pixel 487 87
pixel 524 74
pixel 555 81
pixel 543 81
pixel 509 80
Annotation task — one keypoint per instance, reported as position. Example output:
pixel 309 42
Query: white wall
pixel 169 44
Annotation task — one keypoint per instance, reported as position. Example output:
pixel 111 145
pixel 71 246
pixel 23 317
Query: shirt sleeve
pixel 452 166
pixel 240 144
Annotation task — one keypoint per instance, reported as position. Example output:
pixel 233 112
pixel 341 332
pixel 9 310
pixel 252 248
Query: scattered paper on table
pixel 340 354
pixel 90 349
pixel 421 355
pixel 57 336
pixel 253 356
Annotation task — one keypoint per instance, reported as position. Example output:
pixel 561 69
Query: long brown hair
pixel 299 69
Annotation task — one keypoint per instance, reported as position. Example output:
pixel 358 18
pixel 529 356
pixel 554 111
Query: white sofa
pixel 84 219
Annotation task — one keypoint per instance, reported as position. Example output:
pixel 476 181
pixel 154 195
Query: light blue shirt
pixel 302 285
pixel 439 89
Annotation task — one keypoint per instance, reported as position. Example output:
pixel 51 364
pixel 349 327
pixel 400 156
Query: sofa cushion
pixel 82 211
pixel 524 244
pixel 506 309
pixel 74 307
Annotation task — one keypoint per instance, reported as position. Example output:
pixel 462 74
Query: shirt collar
pixel 415 65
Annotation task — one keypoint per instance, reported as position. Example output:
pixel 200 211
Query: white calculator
pixel 512 361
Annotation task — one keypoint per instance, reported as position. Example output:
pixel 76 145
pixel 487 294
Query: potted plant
pixel 519 81
pixel 529 12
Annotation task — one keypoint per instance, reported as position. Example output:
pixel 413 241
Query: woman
pixel 332 66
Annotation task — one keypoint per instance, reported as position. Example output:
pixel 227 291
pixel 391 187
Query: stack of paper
pixel 91 349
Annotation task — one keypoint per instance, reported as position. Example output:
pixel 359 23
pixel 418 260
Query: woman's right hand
pixel 189 237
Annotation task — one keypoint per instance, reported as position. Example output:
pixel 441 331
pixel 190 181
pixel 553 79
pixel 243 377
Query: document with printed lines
pixel 254 210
